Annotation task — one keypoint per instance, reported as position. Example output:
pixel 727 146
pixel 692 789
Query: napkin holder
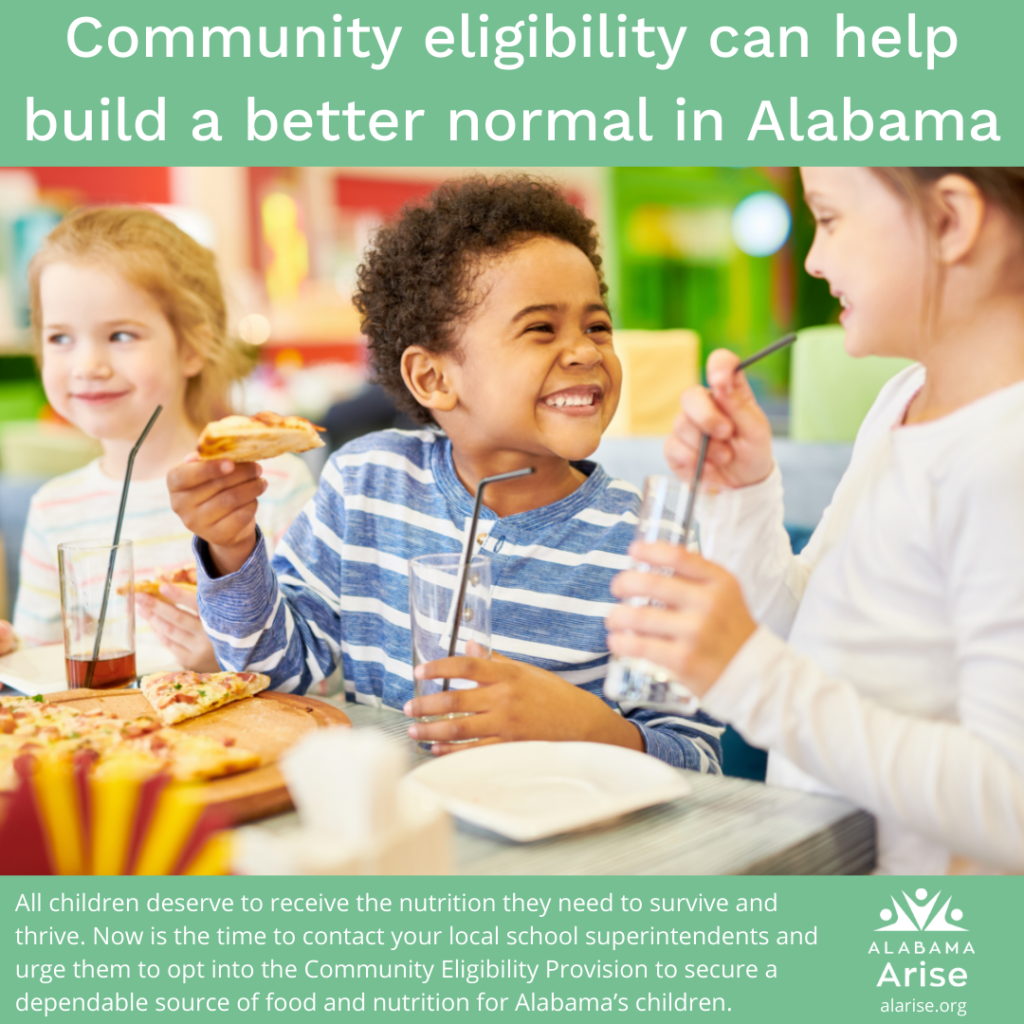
pixel 419 844
pixel 356 817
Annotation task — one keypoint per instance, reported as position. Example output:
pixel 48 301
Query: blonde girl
pixel 128 313
pixel 886 662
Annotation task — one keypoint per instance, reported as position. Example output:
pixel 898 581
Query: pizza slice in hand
pixel 263 436
pixel 183 578
pixel 178 696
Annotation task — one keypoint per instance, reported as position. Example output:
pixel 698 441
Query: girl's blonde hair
pixel 172 268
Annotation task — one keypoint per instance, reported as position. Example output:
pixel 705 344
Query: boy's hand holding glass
pixel 217 501
pixel 512 702
pixel 740 451
pixel 177 626
pixel 701 627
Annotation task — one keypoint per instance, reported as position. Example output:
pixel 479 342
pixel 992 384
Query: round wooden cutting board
pixel 267 724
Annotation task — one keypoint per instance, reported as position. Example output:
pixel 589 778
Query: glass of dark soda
pixel 84 568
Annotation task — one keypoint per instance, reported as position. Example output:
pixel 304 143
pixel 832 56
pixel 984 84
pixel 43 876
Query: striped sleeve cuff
pixel 241 602
pixel 680 751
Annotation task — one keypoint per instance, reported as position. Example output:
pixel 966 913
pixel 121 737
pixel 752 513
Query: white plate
pixel 40 670
pixel 528 791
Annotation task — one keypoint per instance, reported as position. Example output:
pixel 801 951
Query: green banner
pixel 762 950
pixel 399 83
pixel 114 82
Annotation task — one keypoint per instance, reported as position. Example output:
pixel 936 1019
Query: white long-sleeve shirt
pixel 889 665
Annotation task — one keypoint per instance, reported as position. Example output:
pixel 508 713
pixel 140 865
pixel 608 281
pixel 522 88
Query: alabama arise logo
pixel 921 917
pixel 932 961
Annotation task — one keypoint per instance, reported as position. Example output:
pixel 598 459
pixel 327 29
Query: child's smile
pixel 109 354
pixel 581 400
pixel 534 375
pixel 872 253
pixel 97 397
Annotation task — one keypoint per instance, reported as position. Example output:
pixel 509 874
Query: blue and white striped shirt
pixel 338 589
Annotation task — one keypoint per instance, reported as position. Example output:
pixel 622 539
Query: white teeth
pixel 843 301
pixel 558 401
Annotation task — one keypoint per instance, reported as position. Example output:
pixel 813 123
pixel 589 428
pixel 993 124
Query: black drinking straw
pixel 783 342
pixel 702 452
pixel 691 501
pixel 91 667
pixel 467 552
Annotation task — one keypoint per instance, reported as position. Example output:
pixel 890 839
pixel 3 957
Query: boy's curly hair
pixel 416 282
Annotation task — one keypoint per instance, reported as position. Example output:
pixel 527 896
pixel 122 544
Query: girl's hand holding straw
pixel 700 619
pixel 740 449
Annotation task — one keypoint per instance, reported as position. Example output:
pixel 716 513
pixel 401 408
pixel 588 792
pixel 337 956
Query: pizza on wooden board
pixel 263 436
pixel 187 757
pixel 178 696
pixel 35 728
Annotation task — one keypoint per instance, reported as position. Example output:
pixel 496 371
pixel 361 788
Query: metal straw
pixel 91 667
pixel 783 342
pixel 702 452
pixel 467 553
pixel 691 501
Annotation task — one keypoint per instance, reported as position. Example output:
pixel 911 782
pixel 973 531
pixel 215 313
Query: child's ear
pixel 192 362
pixel 425 375
pixel 961 213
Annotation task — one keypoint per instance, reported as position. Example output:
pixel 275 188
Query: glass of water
pixel 638 681
pixel 433 591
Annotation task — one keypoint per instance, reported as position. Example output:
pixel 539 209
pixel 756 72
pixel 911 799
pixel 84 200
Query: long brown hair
pixel 1001 186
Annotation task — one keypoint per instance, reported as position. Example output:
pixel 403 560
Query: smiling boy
pixel 485 314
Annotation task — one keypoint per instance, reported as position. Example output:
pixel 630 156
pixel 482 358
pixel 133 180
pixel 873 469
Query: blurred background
pixel 715 251
pixel 695 259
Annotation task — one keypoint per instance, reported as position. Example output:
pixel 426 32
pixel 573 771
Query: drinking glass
pixel 433 590
pixel 83 577
pixel 637 680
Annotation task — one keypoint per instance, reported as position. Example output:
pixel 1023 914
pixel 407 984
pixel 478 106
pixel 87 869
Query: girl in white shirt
pixel 886 662
pixel 129 314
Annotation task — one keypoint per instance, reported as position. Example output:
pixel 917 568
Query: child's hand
pixel 217 501
pixel 702 624
pixel 512 702
pixel 7 639
pixel 740 452
pixel 179 628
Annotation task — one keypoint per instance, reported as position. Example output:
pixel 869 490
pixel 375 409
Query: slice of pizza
pixel 187 757
pixel 49 747
pixel 251 438
pixel 11 748
pixel 36 730
pixel 184 578
pixel 177 696
pixel 36 716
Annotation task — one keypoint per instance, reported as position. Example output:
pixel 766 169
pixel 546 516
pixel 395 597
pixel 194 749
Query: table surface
pixel 726 826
